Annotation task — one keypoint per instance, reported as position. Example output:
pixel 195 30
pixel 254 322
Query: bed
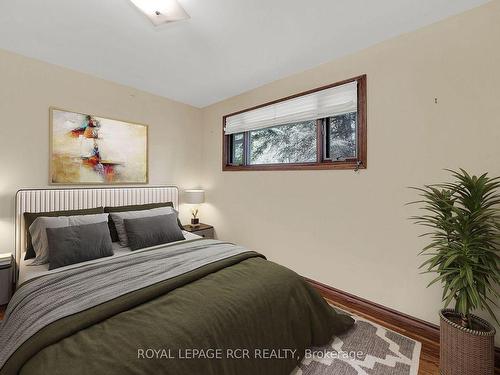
pixel 193 306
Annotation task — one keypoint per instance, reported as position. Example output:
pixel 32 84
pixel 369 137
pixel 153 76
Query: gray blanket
pixel 61 293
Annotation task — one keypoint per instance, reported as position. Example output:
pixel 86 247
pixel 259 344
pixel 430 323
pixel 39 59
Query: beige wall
pixel 347 229
pixel 27 89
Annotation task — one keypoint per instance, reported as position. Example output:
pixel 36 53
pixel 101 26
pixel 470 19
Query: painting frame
pixel 96 183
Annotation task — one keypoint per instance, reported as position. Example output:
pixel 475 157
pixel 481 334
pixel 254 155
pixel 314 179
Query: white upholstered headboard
pixel 46 200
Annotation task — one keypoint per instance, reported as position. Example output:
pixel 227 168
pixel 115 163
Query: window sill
pixel 352 165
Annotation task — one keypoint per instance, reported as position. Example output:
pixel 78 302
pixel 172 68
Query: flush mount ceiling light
pixel 161 11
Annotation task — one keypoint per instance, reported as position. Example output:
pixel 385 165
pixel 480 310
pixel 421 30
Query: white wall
pixel 29 87
pixel 350 230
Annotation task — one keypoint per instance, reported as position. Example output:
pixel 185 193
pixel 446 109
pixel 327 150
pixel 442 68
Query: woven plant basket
pixel 465 351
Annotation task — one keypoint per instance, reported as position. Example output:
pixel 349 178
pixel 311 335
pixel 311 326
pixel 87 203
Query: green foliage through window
pixel 290 143
pixel 341 136
pixel 237 148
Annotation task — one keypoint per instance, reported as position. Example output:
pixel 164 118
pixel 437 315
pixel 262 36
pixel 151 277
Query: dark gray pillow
pixel 153 230
pixel 30 217
pixel 79 243
pixel 133 207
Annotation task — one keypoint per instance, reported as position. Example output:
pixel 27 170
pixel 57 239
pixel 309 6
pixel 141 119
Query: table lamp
pixel 194 197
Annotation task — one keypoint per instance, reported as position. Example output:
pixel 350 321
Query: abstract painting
pixel 87 149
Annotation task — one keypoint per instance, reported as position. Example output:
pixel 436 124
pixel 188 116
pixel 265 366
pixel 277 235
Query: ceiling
pixel 226 48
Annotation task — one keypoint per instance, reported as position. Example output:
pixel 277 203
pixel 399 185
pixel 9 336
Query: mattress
pixel 27 272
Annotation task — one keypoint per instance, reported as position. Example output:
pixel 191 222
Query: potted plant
pixel 464 252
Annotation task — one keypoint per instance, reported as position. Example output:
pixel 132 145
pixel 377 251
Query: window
pixel 323 128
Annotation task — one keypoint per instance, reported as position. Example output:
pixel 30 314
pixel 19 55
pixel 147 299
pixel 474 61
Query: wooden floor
pixel 429 361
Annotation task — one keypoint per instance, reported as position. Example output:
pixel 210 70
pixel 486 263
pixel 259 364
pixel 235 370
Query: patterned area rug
pixel 366 349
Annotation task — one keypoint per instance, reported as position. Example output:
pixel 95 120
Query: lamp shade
pixel 194 196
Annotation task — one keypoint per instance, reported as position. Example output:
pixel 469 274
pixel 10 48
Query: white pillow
pixel 38 231
pixel 119 217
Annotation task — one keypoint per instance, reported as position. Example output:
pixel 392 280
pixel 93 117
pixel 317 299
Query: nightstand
pixel 6 273
pixel 203 230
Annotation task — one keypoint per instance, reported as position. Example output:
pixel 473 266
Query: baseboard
pixel 413 327
pixel 420 327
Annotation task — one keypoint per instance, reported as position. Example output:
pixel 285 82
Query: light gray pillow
pixel 38 231
pixel 119 217
pixel 151 231
pixel 78 243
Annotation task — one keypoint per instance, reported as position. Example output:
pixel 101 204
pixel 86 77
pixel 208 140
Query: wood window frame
pixel 360 162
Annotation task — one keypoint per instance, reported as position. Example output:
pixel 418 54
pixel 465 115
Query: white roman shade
pixel 320 104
